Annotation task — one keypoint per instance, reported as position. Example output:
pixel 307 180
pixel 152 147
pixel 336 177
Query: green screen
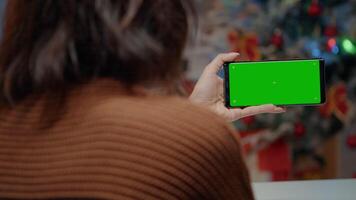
pixel 274 82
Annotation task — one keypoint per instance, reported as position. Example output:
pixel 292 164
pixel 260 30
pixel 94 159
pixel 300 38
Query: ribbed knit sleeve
pixel 124 148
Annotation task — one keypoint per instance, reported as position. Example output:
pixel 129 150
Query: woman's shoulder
pixel 164 113
pixel 175 137
pixel 157 108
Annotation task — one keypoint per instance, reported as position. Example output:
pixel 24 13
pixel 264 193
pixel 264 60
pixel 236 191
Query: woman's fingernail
pixel 279 109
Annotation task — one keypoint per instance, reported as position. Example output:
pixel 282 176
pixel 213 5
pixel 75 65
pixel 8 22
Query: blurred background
pixel 306 142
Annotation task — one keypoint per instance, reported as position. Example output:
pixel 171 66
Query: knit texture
pixel 109 144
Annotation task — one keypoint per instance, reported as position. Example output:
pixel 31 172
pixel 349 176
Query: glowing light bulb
pixel 335 50
pixel 348 46
pixel 331 42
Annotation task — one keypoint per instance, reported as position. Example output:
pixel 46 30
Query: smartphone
pixel 278 82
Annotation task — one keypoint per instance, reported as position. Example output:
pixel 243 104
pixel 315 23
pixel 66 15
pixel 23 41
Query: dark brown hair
pixel 52 45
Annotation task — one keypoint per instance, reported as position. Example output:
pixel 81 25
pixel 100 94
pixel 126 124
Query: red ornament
pixel 277 40
pixel 315 9
pixel 331 44
pixel 330 31
pixel 299 129
pixel 351 141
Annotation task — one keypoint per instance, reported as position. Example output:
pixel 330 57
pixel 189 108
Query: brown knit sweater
pixel 109 144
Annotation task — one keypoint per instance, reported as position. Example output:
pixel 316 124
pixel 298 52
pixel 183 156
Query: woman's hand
pixel 209 92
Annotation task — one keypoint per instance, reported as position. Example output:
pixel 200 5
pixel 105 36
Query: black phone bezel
pixel 322 83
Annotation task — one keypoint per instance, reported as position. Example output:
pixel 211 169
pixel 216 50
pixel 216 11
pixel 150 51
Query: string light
pixel 348 46
pixel 331 42
pixel 332 46
pixel 335 49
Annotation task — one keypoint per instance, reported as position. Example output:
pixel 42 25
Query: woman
pixel 79 118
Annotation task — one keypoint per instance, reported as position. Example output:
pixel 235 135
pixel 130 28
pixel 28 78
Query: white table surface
pixel 342 189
